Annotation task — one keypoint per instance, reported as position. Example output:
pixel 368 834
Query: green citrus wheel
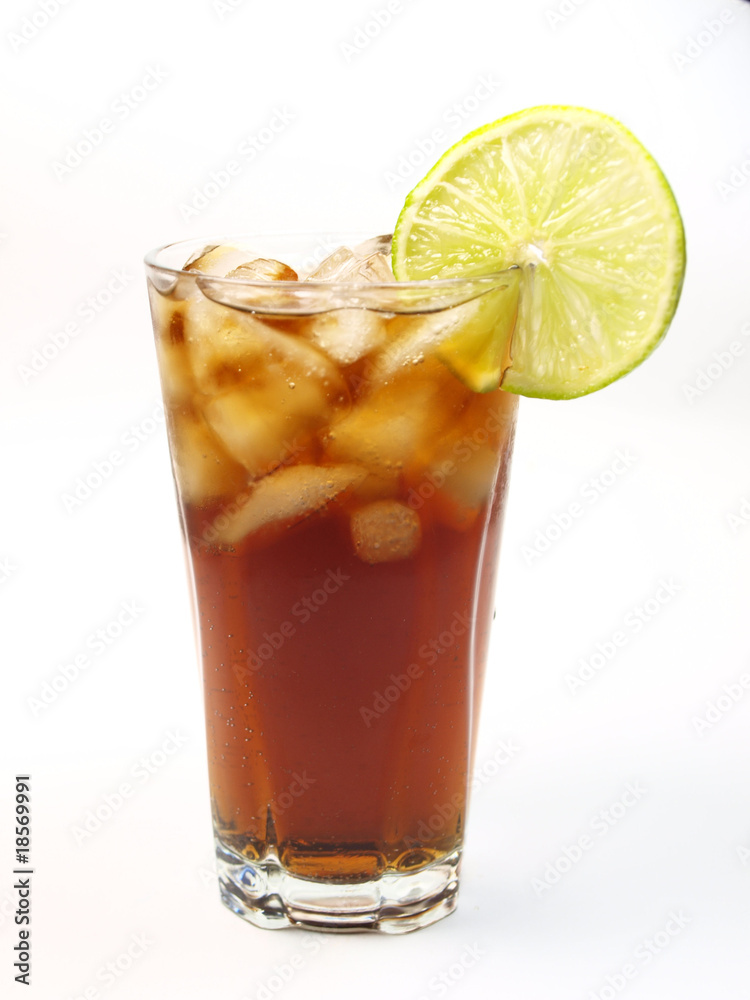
pixel 571 198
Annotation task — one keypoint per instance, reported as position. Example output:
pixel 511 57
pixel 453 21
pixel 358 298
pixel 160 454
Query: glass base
pixel 267 895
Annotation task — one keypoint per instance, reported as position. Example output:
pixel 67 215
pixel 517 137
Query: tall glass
pixel 341 494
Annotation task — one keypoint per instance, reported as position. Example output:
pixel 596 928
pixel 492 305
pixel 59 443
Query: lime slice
pixel 574 200
pixel 479 351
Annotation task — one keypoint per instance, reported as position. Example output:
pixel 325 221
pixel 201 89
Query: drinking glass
pixel 341 495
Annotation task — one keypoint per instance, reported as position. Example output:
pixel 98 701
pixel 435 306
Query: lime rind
pixel 575 200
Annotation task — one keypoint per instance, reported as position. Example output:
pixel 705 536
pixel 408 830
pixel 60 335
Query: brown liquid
pixel 343 522
pixel 314 748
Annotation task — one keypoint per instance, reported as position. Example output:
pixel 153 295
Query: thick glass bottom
pixel 264 893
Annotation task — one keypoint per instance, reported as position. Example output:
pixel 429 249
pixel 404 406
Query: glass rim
pixel 482 281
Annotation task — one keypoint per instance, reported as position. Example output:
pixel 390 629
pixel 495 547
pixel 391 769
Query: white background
pixel 353 113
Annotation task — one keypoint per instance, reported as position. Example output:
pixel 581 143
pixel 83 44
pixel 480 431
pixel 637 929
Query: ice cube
pixel 198 254
pixel 263 269
pixel 175 370
pixel 226 346
pixel 376 269
pixel 287 496
pixel 271 405
pixel 203 470
pixel 466 489
pixel 218 261
pixel 395 425
pixel 337 266
pixel 345 265
pixel 178 384
pixel 377 486
pixel 346 335
pixel 263 424
pixel 385 531
pixel 464 462
pixel 222 344
pixel 410 338
pixel 376 244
